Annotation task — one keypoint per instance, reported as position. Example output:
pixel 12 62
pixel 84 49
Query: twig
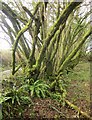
pixel 57 110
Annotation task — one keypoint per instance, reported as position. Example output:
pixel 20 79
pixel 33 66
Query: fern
pixel 37 89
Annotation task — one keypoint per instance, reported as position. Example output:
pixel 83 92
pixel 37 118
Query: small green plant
pixel 37 89
pixel 14 102
pixel 3 99
pixel 56 96
pixel 17 96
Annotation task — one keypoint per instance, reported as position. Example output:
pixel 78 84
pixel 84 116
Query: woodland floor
pixel 78 94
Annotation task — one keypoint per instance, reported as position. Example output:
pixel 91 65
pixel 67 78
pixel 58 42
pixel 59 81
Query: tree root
pixel 77 109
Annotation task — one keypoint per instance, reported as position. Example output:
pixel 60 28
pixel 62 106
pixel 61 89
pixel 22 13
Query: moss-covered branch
pixel 31 59
pixel 84 114
pixel 20 33
pixel 61 20
pixel 73 53
pixel 16 25
pixel 58 41
pixel 16 44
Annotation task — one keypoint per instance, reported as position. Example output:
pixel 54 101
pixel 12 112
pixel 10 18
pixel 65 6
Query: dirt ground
pixel 47 108
pixel 78 93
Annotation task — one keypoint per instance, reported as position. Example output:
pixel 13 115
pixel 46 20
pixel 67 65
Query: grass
pixel 81 72
pixel 79 87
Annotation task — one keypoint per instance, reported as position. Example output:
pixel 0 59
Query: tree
pixel 57 33
pixel 58 45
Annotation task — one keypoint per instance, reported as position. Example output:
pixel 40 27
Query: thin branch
pixel 29 13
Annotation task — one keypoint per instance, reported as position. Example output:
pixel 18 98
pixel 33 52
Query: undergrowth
pixel 18 91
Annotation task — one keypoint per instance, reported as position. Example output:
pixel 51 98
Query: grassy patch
pixel 79 87
pixel 81 72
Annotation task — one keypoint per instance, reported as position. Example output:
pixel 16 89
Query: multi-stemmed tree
pixel 48 37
